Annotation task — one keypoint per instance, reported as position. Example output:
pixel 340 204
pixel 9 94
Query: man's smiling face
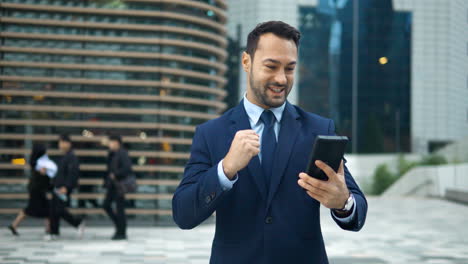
pixel 270 71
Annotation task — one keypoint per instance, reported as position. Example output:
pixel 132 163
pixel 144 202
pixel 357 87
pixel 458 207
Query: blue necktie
pixel 268 144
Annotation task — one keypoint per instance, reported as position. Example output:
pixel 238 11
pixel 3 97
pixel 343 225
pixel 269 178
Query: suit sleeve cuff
pixel 224 181
pixel 349 218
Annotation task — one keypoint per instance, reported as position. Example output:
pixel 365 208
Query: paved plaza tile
pixel 398 230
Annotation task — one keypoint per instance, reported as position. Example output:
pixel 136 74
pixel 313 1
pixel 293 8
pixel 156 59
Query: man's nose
pixel 280 78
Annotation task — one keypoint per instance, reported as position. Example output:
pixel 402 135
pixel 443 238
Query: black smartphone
pixel 329 149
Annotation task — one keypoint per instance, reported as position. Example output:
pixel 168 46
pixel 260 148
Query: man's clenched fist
pixel 244 146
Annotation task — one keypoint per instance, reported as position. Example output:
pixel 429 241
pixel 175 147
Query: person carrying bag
pixel 118 181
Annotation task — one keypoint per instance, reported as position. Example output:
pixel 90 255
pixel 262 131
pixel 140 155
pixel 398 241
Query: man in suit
pixel 119 166
pixel 247 166
pixel 64 182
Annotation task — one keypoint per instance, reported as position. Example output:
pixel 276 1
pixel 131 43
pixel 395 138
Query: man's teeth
pixel 276 90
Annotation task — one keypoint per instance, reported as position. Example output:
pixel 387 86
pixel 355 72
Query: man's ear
pixel 246 62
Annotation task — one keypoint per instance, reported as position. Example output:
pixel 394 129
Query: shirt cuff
pixel 349 218
pixel 224 181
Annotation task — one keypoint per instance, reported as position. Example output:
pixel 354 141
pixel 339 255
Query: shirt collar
pixel 254 111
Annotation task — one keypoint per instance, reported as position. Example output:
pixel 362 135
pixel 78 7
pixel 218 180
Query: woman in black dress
pixel 38 205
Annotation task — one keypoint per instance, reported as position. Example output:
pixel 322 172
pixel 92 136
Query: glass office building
pixel 382 90
pixel 148 70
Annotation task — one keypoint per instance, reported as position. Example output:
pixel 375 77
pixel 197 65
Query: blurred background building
pixel 148 70
pixel 392 74
pixel 395 81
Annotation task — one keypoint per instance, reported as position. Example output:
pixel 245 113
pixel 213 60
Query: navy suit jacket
pixel 253 225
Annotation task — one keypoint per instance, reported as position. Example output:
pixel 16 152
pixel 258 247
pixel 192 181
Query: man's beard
pixel 261 92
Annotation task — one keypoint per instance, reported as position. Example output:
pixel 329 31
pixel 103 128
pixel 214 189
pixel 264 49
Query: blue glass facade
pixel 383 71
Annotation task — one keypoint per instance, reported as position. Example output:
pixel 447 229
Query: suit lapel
pixel 290 126
pixel 240 121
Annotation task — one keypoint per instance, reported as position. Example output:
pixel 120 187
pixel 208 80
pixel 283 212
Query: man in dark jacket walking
pixel 119 166
pixel 63 184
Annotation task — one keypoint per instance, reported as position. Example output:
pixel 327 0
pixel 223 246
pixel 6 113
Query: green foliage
pixel 433 160
pixel 404 165
pixel 384 178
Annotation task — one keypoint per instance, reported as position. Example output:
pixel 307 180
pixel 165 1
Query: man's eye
pixel 271 67
pixel 289 69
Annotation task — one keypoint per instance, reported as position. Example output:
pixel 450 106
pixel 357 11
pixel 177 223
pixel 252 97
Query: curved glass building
pixel 150 70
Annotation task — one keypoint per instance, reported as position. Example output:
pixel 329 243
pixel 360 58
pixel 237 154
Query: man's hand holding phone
pixel 333 193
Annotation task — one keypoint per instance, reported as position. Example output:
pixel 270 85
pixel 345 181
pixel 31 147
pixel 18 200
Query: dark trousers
pixel 58 209
pixel 117 216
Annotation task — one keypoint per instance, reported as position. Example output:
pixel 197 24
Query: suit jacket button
pixel 269 220
pixel 208 199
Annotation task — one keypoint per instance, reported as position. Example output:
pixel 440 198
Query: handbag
pixel 126 185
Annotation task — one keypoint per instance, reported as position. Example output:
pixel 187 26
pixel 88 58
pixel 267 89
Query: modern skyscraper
pixel 328 75
pixel 396 82
pixel 439 72
pixel 148 70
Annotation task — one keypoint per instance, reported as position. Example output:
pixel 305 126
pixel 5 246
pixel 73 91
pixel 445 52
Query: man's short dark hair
pixel 65 137
pixel 279 28
pixel 117 138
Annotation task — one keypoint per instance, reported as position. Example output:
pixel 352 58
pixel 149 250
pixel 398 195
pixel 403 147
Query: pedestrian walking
pixel 42 169
pixel 63 184
pixel 119 168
